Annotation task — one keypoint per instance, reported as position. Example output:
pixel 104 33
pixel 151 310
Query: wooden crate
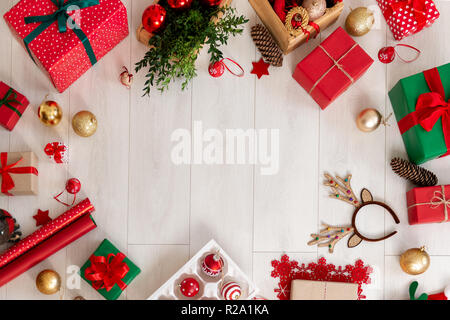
pixel 144 36
pixel 281 35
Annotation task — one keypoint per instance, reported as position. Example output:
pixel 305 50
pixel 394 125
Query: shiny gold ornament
pixel 369 120
pixel 48 282
pixel 415 261
pixel 315 8
pixel 50 113
pixel 84 123
pixel 359 21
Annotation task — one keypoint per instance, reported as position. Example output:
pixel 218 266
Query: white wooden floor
pixel 161 214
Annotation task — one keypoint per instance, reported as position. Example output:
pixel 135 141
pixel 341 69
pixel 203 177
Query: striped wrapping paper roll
pixel 45 232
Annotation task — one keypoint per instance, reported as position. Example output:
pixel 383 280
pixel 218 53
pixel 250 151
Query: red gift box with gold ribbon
pixel 428 204
pixel 12 105
pixel 332 67
pixel 406 17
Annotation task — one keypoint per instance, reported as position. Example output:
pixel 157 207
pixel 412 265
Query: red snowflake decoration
pixel 287 270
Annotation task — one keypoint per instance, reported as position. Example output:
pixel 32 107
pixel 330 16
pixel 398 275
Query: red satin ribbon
pixel 418 8
pixel 56 150
pixel 106 272
pixel 6 170
pixel 430 107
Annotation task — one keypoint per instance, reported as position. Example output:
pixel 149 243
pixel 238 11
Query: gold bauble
pixel 359 21
pixel 50 113
pixel 84 123
pixel 48 282
pixel 415 261
pixel 368 120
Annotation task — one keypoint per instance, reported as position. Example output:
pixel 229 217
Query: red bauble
pixel 211 3
pixel 73 186
pixel 153 18
pixel 212 265
pixel 180 4
pixel 386 54
pixel 216 69
pixel 189 287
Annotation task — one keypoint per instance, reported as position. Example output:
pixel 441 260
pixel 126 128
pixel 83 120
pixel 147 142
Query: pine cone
pixel 267 46
pixel 417 175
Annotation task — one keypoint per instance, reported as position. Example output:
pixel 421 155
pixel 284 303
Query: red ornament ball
pixel 212 265
pixel 73 186
pixel 216 69
pixel 153 18
pixel 189 287
pixel 386 54
pixel 180 4
pixel 211 3
pixel 231 291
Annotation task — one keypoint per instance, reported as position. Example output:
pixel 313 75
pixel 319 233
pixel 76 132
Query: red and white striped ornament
pixel 212 265
pixel 231 291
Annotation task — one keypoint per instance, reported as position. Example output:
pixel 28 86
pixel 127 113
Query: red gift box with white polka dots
pixel 62 54
pixel 406 17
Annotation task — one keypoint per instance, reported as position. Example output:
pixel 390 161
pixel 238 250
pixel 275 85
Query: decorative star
pixel 260 68
pixel 42 218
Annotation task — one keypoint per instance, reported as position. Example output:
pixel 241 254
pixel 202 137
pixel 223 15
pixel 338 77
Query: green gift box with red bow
pixel 12 106
pixel 421 106
pixel 109 271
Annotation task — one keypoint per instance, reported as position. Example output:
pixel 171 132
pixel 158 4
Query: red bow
pixel 430 107
pixel 6 170
pixel 56 150
pixel 417 7
pixel 106 272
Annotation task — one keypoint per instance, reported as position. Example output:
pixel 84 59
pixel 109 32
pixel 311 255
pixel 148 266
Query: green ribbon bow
pixel 62 17
pixel 10 97
pixel 412 292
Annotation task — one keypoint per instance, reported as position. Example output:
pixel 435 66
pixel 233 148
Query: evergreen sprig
pixel 174 50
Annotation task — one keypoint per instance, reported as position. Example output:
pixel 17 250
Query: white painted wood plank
pixel 344 149
pixel 286 202
pixel 222 195
pixel 101 161
pixel 433 281
pixel 157 263
pixel 159 189
pixel 434 53
pixel 262 268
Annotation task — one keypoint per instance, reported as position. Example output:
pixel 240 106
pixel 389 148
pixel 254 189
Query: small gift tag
pixel 57 151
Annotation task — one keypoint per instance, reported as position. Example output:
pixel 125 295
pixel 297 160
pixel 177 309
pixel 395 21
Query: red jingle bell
pixel 153 18
pixel 179 4
pixel 212 265
pixel 189 287
pixel 73 186
pixel 386 54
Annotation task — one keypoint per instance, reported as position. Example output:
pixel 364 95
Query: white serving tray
pixel 209 287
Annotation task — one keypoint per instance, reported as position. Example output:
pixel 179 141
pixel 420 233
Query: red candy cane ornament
pixel 73 186
pixel 387 54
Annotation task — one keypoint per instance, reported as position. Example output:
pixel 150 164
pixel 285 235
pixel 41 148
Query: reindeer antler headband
pixel 342 190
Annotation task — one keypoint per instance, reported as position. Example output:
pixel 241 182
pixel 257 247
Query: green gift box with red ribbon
pixel 12 106
pixel 109 271
pixel 422 109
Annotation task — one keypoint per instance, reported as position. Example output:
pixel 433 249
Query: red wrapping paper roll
pixel 83 208
pixel 45 249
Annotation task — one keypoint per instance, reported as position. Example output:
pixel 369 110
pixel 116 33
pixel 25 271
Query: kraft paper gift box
pixel 281 35
pixel 332 67
pixel 323 290
pixel 19 173
pixel 428 204
pixel 109 271
pixel 12 105
pixel 420 107
pixel 63 46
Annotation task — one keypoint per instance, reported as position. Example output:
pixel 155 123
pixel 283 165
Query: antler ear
pixel 366 196
pixel 354 240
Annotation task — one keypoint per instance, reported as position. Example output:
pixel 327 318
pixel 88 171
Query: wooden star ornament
pixel 42 218
pixel 260 68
